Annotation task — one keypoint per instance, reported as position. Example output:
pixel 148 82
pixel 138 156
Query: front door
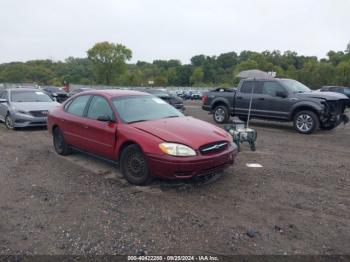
pixel 276 103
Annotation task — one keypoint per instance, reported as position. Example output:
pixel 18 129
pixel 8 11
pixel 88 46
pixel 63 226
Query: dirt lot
pixel 297 203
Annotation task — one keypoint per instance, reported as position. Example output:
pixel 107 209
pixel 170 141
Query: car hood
pixel 184 130
pixel 324 95
pixel 32 106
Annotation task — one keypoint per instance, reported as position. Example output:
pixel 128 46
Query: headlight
pixel 176 149
pixel 54 94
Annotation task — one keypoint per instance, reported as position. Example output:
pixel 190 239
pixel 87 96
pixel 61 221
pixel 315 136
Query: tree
pixel 197 76
pixel 108 60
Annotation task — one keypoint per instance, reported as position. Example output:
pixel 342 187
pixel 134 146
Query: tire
pixel 252 146
pixel 9 122
pixel 221 115
pixel 134 166
pixel 306 122
pixel 59 144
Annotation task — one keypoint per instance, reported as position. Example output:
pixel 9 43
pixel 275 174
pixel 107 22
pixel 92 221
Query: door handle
pixel 85 126
pixel 239 97
pixel 261 98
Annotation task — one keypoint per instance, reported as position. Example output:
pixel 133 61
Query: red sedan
pixel 148 137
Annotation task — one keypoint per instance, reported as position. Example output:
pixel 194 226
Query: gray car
pixel 24 107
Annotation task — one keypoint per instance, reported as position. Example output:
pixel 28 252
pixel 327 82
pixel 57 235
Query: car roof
pixel 115 92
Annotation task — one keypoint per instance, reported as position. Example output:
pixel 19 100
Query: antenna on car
pixel 250 102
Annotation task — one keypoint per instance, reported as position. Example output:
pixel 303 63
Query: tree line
pixel 106 63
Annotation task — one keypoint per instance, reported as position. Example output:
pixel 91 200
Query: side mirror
pixel 3 100
pixel 281 94
pixel 105 118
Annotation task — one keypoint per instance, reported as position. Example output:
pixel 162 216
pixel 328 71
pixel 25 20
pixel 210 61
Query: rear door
pixel 250 90
pixel 100 137
pixel 73 121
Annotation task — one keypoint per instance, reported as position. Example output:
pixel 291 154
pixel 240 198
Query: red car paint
pixel 107 139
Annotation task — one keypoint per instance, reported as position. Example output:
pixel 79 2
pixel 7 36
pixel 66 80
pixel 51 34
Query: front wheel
pixel 8 122
pixel 306 122
pixel 134 166
pixel 221 115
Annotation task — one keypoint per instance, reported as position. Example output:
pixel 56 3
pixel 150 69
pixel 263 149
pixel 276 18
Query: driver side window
pixel 272 88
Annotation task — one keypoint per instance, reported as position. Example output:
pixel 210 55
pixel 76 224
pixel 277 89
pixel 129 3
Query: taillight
pixel 204 98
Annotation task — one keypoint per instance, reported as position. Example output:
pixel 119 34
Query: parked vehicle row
pixel 338 89
pixel 278 100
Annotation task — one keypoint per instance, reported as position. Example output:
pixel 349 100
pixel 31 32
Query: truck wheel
pixel 134 166
pixel 306 122
pixel 220 114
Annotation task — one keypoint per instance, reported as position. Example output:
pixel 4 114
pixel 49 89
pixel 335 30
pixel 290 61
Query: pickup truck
pixel 278 100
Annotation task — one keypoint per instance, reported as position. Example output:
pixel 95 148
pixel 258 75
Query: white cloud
pixel 163 29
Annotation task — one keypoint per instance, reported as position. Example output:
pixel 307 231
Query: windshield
pixel 295 86
pixel 29 96
pixel 143 108
pixel 347 90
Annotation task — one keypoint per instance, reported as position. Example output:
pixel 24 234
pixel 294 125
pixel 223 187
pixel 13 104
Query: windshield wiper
pixel 169 116
pixel 136 121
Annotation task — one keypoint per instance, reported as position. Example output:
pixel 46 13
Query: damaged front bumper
pixel 332 120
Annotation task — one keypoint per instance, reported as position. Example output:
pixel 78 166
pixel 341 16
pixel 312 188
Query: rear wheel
pixel 8 122
pixel 221 115
pixel 60 145
pixel 306 122
pixel 134 166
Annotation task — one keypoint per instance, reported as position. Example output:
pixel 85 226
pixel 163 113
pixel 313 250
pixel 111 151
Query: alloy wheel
pixel 8 122
pixel 219 115
pixel 304 122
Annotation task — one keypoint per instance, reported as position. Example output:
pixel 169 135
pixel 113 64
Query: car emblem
pixel 214 147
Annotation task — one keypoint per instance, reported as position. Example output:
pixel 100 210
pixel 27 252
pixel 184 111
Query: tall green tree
pixel 108 60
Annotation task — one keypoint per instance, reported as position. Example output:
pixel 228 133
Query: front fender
pixel 304 105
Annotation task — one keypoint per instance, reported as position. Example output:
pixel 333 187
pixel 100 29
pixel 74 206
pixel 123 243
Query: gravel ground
pixel 297 203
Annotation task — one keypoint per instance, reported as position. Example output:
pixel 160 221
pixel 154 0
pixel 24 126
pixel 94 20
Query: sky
pixel 171 29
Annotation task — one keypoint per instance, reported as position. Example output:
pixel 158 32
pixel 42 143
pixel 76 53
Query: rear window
pixel 77 106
